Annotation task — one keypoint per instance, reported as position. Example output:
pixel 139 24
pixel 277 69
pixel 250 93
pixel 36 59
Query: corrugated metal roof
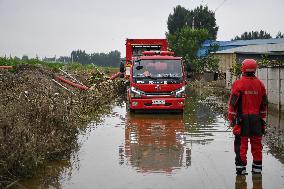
pixel 257 41
pixel 261 49
pixel 244 42
pixel 207 43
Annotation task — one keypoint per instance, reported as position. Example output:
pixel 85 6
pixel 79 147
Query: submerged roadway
pixel 160 151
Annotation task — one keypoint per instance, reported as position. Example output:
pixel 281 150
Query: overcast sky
pixel 56 27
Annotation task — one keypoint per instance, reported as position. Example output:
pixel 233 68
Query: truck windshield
pixel 157 69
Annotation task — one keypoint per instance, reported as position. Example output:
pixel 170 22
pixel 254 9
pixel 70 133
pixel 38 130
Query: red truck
pixel 156 76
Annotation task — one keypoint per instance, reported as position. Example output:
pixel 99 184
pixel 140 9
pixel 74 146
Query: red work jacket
pixel 248 101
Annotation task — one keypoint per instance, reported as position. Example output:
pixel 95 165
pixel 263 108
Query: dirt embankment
pixel 40 120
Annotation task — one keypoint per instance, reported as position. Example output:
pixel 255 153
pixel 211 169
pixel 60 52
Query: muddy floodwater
pixel 160 151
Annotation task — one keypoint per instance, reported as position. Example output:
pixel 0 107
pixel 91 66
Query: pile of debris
pixel 41 116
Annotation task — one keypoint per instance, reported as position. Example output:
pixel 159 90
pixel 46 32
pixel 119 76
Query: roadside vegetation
pixel 262 63
pixel 39 119
pixel 55 66
pixel 265 62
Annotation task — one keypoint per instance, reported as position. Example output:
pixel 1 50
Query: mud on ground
pixel 40 120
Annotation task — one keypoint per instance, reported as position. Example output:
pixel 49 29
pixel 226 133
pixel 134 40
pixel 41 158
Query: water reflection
pixel 241 182
pixel 155 143
pixel 163 142
pixel 203 117
pixel 52 174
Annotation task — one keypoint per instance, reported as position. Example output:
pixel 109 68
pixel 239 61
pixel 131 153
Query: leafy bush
pixel 209 63
pixel 236 69
pixel 264 62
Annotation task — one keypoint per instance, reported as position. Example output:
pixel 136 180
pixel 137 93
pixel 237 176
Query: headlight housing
pixel 179 93
pixel 136 93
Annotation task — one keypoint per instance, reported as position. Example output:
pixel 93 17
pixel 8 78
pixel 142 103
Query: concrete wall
pixel 275 120
pixel 230 78
pixel 273 79
pixel 225 61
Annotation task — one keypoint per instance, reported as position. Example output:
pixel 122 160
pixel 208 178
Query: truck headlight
pixel 135 93
pixel 179 93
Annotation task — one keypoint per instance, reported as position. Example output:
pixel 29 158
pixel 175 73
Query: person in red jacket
pixel 246 112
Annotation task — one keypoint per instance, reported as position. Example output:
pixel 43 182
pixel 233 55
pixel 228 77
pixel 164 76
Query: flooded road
pixel 193 150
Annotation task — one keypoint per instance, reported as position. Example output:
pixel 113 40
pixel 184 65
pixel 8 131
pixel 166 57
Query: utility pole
pixel 192 26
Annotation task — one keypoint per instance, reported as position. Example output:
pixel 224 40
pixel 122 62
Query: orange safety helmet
pixel 249 65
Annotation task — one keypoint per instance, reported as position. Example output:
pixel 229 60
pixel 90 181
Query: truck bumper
pixel 146 104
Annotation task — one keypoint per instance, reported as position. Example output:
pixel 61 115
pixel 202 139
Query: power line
pixel 220 5
pixel 201 2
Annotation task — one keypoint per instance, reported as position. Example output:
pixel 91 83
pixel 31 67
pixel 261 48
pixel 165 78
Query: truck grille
pixel 150 104
pixel 158 93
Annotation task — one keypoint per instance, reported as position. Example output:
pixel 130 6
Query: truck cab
pixel 136 47
pixel 157 82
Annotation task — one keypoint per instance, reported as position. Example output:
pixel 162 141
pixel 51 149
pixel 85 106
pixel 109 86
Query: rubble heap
pixel 40 120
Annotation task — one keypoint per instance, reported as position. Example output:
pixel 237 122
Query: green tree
pixel 253 35
pixel 199 18
pixel 186 42
pixel 25 57
pixel 111 59
pixel 280 35
pixel 178 19
pixel 17 58
pixel 203 18
pixel 80 56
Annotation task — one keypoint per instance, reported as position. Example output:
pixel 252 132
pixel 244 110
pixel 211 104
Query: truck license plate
pixel 158 101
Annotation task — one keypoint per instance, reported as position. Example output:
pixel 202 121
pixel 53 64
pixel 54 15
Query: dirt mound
pixel 39 119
